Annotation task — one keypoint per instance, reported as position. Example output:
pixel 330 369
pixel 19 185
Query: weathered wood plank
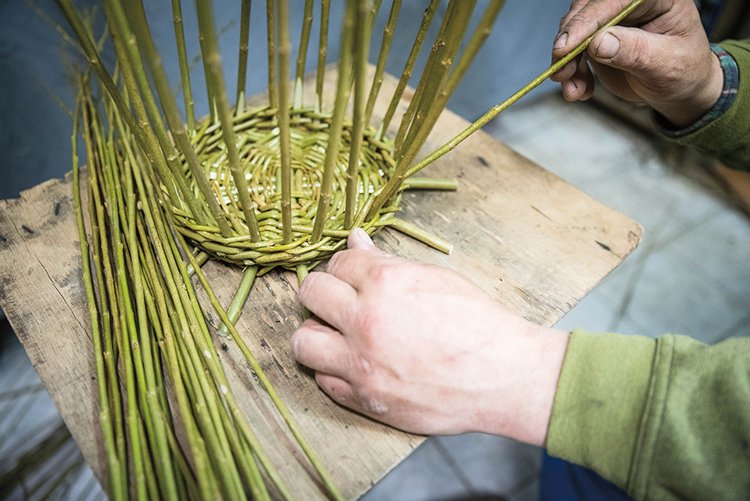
pixel 524 235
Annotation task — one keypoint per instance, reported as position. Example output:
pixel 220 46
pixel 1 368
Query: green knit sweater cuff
pixel 601 394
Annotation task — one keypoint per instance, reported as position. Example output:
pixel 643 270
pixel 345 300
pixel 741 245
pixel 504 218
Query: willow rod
pixel 212 60
pixel 385 49
pixel 337 123
pixel 499 108
pixel 243 54
pixel 132 70
pixel 187 90
pixel 271 42
pixel 260 373
pixel 117 487
pixel 438 46
pixel 416 47
pixel 94 59
pixel 139 23
pixel 304 42
pixel 433 99
pixel 361 46
pixel 285 47
pixel 325 8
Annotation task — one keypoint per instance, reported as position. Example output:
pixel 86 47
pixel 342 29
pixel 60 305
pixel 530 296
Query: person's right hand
pixel 660 55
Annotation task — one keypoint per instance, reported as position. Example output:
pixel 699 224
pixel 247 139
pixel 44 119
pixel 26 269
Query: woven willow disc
pixel 258 145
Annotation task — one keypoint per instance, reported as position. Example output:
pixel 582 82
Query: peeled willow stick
pixel 285 48
pixel 337 122
pixel 139 24
pixel 325 8
pixel 385 49
pixel 271 40
pixel 499 108
pixel 481 32
pixel 242 58
pixel 212 60
pixel 361 46
pixel 187 91
pixel 304 42
pixel 429 14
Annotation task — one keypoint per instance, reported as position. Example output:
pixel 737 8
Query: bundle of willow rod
pixel 277 186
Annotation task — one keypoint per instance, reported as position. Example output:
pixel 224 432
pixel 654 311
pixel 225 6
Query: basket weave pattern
pixel 258 143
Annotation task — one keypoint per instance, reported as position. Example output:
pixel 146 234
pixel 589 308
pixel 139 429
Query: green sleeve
pixel 663 419
pixel 728 136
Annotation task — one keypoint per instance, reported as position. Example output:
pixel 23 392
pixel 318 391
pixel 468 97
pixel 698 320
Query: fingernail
pixel 359 238
pixel 608 47
pixel 561 41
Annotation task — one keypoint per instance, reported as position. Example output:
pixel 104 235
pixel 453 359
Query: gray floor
pixel 690 275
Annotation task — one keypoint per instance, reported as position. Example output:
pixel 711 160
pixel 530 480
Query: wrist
pixel 697 100
pixel 521 410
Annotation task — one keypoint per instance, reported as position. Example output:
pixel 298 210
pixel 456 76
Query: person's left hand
pixel 425 350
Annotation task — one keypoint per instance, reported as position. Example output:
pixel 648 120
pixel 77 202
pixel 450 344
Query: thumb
pixel 359 239
pixel 632 50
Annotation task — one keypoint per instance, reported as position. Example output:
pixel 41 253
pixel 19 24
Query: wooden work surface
pixel 528 238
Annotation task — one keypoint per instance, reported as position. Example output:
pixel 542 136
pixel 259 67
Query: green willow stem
pixel 497 109
pixel 271 42
pixel 263 378
pixel 243 54
pixel 418 233
pixel 325 9
pixel 212 60
pixel 481 32
pixel 101 255
pixel 200 257
pixel 337 123
pixel 132 70
pixel 187 90
pixel 117 487
pixel 427 183
pixel 139 25
pixel 438 47
pixel 238 302
pixel 304 42
pixel 361 47
pixel 285 47
pixel 429 14
pixel 95 61
pixel 385 49
pixel 434 98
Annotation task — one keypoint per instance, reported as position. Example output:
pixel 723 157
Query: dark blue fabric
pixel 564 481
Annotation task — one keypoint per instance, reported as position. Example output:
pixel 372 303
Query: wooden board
pixel 528 238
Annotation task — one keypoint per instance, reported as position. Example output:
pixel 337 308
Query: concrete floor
pixel 688 276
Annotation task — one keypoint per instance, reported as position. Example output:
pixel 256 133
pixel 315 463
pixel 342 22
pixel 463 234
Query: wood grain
pixel 528 238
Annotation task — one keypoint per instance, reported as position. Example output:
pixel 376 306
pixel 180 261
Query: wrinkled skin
pixel 659 56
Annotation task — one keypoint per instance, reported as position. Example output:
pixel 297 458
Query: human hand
pixel 659 56
pixel 423 349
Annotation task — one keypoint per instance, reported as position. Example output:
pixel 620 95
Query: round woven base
pixel 258 143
